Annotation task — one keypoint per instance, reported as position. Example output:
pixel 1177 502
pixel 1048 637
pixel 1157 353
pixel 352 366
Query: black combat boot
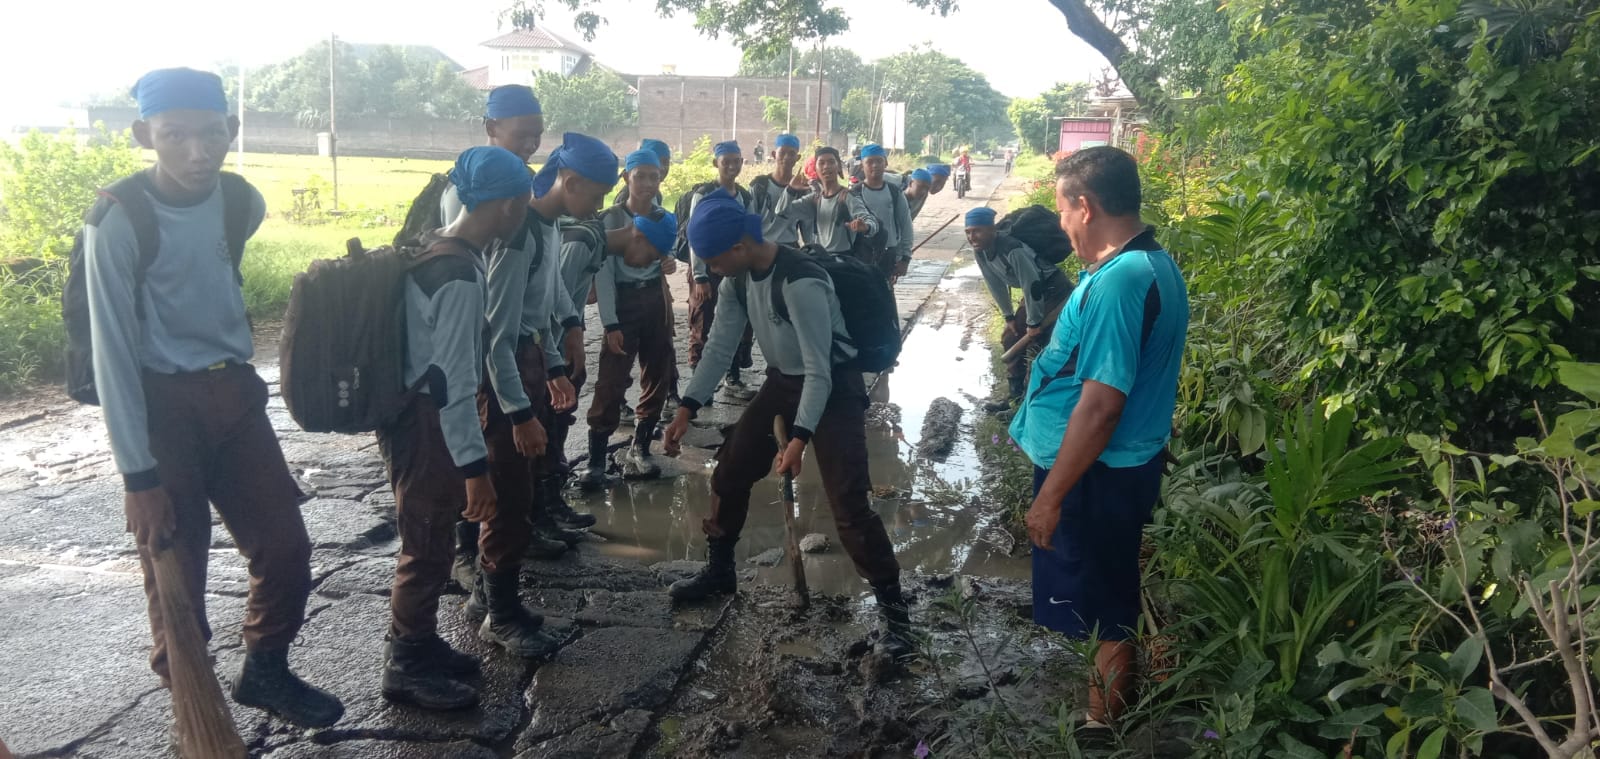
pixel 509 624
pixel 894 634
pixel 595 477
pixel 265 682
pixel 417 674
pixel 1017 387
pixel 546 540
pixel 544 522
pixel 717 578
pixel 547 491
pixel 465 567
pixel 636 461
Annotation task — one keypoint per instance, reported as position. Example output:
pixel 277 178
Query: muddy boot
pixel 628 417
pixel 1017 387
pixel 636 460
pixel 894 637
pixel 717 578
pixel 595 477
pixel 265 682
pixel 733 385
pixel 416 675
pixel 545 542
pixel 465 567
pixel 548 490
pixel 509 624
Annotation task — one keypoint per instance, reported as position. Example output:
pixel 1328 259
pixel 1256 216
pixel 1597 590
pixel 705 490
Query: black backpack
pixel 342 358
pixel 865 301
pixel 423 216
pixel 132 193
pixel 1040 229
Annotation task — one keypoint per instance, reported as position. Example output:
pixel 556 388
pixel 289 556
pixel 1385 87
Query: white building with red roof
pixel 514 58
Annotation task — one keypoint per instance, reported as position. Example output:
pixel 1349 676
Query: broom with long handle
pixel 205 725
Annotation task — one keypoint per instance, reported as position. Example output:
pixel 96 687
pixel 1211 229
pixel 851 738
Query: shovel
pixel 791 543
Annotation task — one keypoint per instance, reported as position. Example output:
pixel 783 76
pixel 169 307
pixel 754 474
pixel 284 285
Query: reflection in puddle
pixel 946 355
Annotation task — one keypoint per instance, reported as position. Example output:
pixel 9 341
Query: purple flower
pixel 994 439
pixel 1211 735
pixel 1450 525
pixel 922 752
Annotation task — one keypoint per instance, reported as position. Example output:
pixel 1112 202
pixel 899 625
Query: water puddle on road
pixel 934 522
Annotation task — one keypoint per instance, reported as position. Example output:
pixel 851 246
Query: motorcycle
pixel 963 181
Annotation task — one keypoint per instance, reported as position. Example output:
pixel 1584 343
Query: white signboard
pixel 894 126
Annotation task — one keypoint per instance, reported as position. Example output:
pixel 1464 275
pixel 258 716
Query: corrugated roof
pixel 536 38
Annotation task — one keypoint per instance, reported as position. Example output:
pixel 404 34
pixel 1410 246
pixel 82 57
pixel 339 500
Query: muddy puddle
pixel 926 504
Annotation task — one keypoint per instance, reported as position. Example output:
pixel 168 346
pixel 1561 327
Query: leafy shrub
pixel 30 318
pixel 47 182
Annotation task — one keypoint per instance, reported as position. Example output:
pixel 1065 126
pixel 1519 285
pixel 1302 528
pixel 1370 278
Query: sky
pixel 60 53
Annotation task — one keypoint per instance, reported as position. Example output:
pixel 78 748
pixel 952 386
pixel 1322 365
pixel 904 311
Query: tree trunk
pixel 1141 79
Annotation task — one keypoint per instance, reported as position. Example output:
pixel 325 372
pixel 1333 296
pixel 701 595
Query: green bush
pixel 30 318
pixel 47 182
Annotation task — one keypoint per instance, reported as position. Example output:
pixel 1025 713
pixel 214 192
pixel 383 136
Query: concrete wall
pixel 680 109
pixel 390 138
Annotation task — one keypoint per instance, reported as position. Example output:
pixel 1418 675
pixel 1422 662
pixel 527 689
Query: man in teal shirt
pixel 1097 414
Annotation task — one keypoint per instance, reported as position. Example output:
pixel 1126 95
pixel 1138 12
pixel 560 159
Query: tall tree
pixel 1032 117
pixel 381 81
pixel 590 102
pixel 943 97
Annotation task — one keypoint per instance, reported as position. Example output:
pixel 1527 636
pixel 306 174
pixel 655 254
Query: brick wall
pixel 680 109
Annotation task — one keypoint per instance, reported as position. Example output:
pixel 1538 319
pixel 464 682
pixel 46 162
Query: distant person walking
pixel 1097 415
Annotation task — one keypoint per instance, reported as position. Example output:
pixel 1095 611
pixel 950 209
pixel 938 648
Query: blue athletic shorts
pixel 1089 582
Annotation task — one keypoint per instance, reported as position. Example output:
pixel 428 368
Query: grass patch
pixel 30 318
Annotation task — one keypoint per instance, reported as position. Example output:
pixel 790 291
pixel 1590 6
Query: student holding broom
pixel 184 409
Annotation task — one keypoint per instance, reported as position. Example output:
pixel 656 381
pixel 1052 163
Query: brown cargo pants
pixel 645 338
pixel 214 446
pixel 701 313
pixel 429 495
pixel 503 539
pixel 839 445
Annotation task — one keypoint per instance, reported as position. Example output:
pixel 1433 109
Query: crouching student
pixel 811 383
pixel 434 449
pixel 1008 263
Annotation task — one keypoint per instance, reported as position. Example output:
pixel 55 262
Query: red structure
pixel 1078 133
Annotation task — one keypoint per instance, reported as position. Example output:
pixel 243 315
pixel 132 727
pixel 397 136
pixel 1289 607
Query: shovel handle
pixel 781 432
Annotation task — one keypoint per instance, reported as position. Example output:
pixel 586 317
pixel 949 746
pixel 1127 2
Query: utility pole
pixel 822 49
pixel 788 107
pixel 333 129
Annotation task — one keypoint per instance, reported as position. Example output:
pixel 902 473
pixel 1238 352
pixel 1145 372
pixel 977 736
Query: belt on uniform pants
pixel 643 284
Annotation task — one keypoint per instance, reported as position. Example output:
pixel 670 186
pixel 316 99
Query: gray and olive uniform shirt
pixel 1010 263
pixel 701 273
pixel 525 299
pixel 775 228
pixel 581 259
pixel 188 315
pixel 828 215
pixel 444 312
pixel 615 274
pixel 889 207
pixel 809 342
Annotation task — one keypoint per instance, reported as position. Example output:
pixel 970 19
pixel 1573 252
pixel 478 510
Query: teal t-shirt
pixel 1124 326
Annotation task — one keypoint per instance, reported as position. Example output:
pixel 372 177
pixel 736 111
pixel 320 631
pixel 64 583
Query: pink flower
pixel 922 752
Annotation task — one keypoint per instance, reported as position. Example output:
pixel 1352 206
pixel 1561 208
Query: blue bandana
pixel 725 148
pixel 510 101
pixel 921 175
pixel 786 141
pixel 591 158
pixel 660 148
pixel 179 90
pixel 873 150
pixel 939 169
pixel 980 217
pixel 486 173
pixel 641 157
pixel 662 233
pixel 718 223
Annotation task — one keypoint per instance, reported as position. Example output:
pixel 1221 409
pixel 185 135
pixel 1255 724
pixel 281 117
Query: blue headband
pixel 591 158
pixel 921 175
pixel 179 90
pixel 873 150
pixel 660 148
pixel 486 173
pixel 786 141
pixel 662 233
pixel 719 222
pixel 980 217
pixel 939 169
pixel 641 157
pixel 510 101
pixel 725 148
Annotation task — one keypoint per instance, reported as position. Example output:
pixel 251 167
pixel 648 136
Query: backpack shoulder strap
pixel 132 194
pixel 237 204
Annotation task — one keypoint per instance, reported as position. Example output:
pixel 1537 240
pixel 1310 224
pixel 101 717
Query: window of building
pixel 569 62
